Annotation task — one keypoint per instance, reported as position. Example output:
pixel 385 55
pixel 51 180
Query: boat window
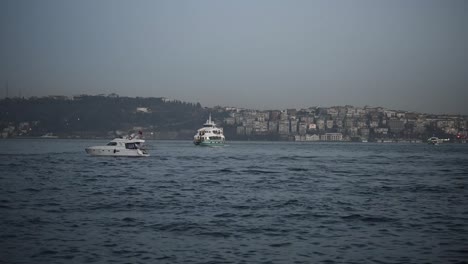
pixel 131 146
pixel 112 144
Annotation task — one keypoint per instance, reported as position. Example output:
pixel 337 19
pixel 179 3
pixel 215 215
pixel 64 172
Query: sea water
pixel 247 202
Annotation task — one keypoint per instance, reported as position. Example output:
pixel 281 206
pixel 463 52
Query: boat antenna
pixel 209 118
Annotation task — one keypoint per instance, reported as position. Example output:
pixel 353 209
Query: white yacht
pixel 209 135
pixel 49 135
pixel 436 140
pixel 130 146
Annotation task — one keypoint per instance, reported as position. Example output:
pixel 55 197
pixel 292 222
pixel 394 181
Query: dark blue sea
pixel 248 202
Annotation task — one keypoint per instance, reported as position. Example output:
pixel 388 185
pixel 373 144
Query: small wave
pixel 122 252
pixel 165 257
pixel 368 218
pixel 297 216
pixel 241 207
pixel 246 215
pixel 300 157
pixel 225 215
pixel 319 215
pixel 297 169
pixel 238 158
pixel 288 203
pixel 259 172
pixel 285 244
pixel 47 252
pixel 194 157
pixel 65 257
pixel 37 220
pixel 215 234
pixel 31 190
pixel 90 179
pixel 428 189
pixel 459 251
pixel 109 245
pixel 226 171
pixel 341 171
pixel 177 227
pixel 212 182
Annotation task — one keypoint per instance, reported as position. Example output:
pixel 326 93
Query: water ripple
pixel 250 202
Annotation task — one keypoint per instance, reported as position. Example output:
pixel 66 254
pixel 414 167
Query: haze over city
pixel 409 55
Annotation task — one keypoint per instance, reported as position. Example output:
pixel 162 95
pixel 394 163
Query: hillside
pixel 99 116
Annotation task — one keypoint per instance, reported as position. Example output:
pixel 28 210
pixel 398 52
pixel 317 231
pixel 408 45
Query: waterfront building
pixel 373 124
pixel 320 124
pixel 293 126
pixel 283 116
pixel 349 122
pixel 389 114
pixel 400 114
pixel 291 112
pixel 329 124
pixel 260 127
pixel 240 130
pixel 339 123
pixel 313 137
pixel 395 125
pixel 230 120
pixel 283 127
pixel 361 124
pixel 381 130
pixel 333 136
pixel 364 132
pixel 273 126
pixel 274 115
pixel 302 128
pixel 332 111
pixel 353 131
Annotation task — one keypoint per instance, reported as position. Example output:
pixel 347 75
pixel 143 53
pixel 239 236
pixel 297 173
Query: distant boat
pixel 209 135
pixel 436 140
pixel 49 135
pixel 130 146
pixel 433 141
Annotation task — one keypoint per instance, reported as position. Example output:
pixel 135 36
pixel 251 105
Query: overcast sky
pixel 408 55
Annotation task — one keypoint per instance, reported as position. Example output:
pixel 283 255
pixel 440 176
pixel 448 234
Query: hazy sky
pixel 408 55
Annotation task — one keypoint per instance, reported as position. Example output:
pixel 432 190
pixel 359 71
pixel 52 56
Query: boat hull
pixel 102 151
pixel 209 143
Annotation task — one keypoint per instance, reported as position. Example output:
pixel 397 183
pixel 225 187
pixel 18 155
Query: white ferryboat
pixel 209 135
pixel 130 146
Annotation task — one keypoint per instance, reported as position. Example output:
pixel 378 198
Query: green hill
pixel 100 116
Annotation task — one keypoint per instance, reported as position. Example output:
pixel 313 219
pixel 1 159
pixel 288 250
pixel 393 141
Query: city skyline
pixel 261 55
pixel 215 106
pixel 88 116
